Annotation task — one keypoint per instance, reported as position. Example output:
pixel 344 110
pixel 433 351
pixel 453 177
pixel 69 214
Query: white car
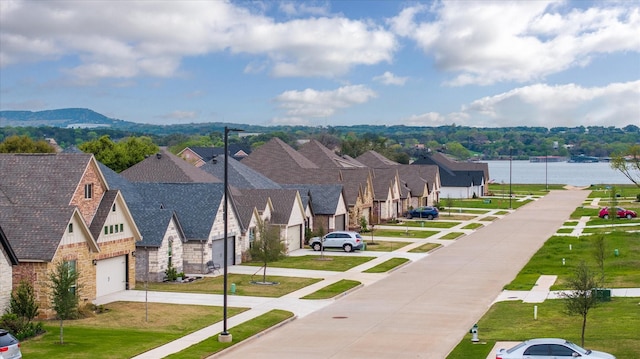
pixel 548 348
pixel 347 240
pixel 9 346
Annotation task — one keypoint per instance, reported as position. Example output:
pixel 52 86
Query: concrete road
pixel 423 309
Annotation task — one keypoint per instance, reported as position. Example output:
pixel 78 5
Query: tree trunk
pixel 584 325
pixel 61 340
pixel 264 273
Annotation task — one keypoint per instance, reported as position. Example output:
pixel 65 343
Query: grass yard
pixel 528 189
pixel 404 233
pixel 428 247
pixel 452 235
pixel 315 262
pixel 620 272
pixel 387 265
pixel 333 290
pixel 564 230
pixel 488 219
pixel 496 203
pixel 473 226
pixel 214 285
pixel 122 331
pixel 609 229
pixel 421 223
pixel 240 333
pixel 611 327
pixel 384 246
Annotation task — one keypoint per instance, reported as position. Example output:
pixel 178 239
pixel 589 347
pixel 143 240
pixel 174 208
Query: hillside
pixel 66 118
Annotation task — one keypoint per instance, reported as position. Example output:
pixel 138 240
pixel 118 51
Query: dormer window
pixel 88 191
pixel 113 208
pixel 70 227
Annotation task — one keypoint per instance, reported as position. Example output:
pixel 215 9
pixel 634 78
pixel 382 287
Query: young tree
pixel 449 203
pixel 23 303
pixel 64 292
pixel 600 253
pixel 268 246
pixel 580 298
pixel 631 168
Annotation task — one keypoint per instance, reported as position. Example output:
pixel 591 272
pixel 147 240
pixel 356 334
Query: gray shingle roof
pixel 324 197
pixel 275 158
pixel 375 160
pixel 165 167
pixel 452 167
pixel 240 175
pixel 4 242
pixel 283 201
pixel 324 157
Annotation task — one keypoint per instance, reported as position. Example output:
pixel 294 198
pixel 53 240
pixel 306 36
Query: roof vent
pixel 158 155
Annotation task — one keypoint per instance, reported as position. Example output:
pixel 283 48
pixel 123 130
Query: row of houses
pixel 117 229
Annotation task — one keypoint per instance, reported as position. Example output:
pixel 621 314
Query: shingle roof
pixel 208 153
pixel 324 197
pixel 166 167
pixel 275 158
pixel 375 160
pixel 102 212
pixel 324 157
pixel 283 201
pixel 35 195
pixel 196 204
pixel 416 176
pixel 447 164
pixel 239 175
pixel 4 242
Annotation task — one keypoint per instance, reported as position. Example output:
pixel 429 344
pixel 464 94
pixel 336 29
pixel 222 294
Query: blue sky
pixel 326 63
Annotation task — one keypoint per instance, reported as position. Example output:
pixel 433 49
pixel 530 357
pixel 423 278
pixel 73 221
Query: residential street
pixel 421 310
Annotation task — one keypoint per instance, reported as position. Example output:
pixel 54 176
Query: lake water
pixel 576 174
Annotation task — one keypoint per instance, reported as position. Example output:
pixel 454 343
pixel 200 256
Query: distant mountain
pixel 66 118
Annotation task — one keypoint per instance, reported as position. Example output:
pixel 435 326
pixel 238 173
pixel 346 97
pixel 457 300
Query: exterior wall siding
pixel 88 207
pixel 6 285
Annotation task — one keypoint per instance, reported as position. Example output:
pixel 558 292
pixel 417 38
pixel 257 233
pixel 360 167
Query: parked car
pixel 9 346
pixel 550 348
pixel 622 213
pixel 347 240
pixel 427 212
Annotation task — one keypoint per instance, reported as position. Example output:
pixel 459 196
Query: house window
pixel 70 227
pixel 71 265
pixel 113 208
pixel 252 236
pixel 106 230
pixel 111 229
pixel 121 227
pixel 116 228
pixel 88 191
pixel 169 251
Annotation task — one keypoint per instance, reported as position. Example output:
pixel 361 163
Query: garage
pixel 218 251
pixel 111 275
pixel 294 237
pixel 340 222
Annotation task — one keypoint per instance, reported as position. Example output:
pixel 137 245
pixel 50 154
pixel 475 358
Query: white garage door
pixel 111 275
pixel 294 234
pixel 218 251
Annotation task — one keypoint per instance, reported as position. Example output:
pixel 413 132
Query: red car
pixel 622 213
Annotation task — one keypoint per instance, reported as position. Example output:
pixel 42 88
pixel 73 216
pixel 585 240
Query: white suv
pixel 349 241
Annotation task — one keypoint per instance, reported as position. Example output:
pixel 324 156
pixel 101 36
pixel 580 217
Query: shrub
pixel 171 273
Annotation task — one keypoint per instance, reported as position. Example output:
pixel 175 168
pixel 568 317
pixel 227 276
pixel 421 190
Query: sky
pixel 326 63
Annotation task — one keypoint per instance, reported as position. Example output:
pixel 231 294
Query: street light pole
pixel 225 336
pixel 510 170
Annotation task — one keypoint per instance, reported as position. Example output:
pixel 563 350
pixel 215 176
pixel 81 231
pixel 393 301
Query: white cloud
pixel 389 78
pixel 298 8
pixel 488 42
pixel 301 106
pixel 180 115
pixel 616 104
pixel 150 38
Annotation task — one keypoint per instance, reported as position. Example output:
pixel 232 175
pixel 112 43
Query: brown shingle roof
pixel 275 159
pixel 324 157
pixel 165 167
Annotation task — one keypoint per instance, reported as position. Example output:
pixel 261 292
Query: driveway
pixel 425 308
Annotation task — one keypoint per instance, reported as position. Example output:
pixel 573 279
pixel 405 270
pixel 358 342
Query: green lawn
pixel 122 331
pixel 611 327
pixel 425 223
pixel 496 203
pixel 333 289
pixel 518 188
pixel 452 235
pixel 243 285
pixel 316 262
pixel 428 247
pixel 387 265
pixel 472 226
pixel 384 246
pixel 404 233
pixel 620 272
pixel 239 333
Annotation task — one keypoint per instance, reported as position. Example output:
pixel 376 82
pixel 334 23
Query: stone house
pixel 458 179
pixel 59 207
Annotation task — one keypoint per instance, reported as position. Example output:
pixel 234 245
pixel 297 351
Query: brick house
pixel 58 207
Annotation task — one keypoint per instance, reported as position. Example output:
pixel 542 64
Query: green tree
pixel 457 150
pixel 23 303
pixel 268 246
pixel 24 144
pixel 579 299
pixel 600 253
pixel 64 292
pixel 122 154
pixel 630 168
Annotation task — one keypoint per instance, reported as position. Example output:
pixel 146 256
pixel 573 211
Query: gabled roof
pixel 196 204
pixel 239 175
pixel 4 242
pixel 36 192
pixel 283 201
pixel 41 179
pixel 324 198
pixel 276 158
pixel 383 181
pixel 324 157
pixel 207 154
pixel 418 178
pixel 165 167
pixel 451 166
pixel 375 160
